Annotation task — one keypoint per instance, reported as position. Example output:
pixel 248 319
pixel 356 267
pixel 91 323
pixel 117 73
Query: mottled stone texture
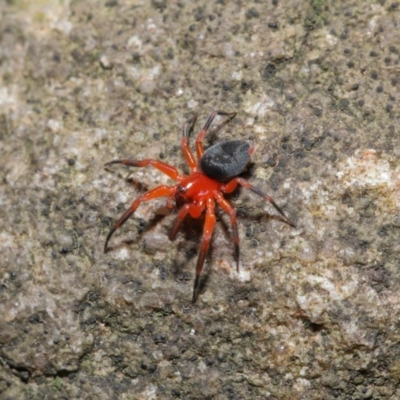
pixel 314 312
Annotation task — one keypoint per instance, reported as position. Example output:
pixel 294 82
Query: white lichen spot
pixel 105 62
pixel 150 393
pixel 202 366
pixel 305 70
pixel 303 371
pixel 227 50
pixel 307 253
pixel 365 169
pixel 249 121
pixel 11 310
pixel 192 104
pixel 325 292
pixel 122 253
pixel 243 275
pixel 150 25
pixel 62 25
pixel 100 134
pixel 331 39
pixel 339 292
pixel 7 97
pixel 312 305
pixel 42 15
pixel 54 125
pixel 301 385
pixel 237 75
pixel 372 24
pixel 147 86
pixel 123 197
pixel 135 42
pixel 147 80
pixel 261 131
pixel 261 108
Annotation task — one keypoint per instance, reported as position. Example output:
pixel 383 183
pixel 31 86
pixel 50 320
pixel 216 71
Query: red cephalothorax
pixel 213 175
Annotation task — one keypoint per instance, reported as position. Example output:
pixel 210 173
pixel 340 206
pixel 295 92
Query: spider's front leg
pixel 167 169
pixel 187 130
pixel 204 131
pixel 209 225
pixel 159 191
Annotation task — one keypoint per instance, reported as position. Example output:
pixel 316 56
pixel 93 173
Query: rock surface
pixel 314 311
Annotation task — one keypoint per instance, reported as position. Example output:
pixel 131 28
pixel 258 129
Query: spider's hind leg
pixel 227 207
pixel 231 186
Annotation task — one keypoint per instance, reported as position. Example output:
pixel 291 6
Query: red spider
pixel 213 175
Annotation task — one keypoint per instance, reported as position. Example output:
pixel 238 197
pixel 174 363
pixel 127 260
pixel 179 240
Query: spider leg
pixel 204 131
pixel 167 169
pixel 158 191
pixel 170 201
pixel 227 207
pixel 179 219
pixel 207 233
pixel 195 210
pixel 187 130
pixel 231 186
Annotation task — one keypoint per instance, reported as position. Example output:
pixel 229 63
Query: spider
pixel 214 174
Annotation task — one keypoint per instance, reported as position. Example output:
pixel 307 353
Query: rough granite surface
pixel 314 312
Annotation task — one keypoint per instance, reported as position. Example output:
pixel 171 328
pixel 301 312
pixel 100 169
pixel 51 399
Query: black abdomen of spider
pixel 211 177
pixel 223 161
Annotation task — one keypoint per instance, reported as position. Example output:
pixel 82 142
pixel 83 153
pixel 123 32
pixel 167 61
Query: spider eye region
pixel 182 189
pixel 225 160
